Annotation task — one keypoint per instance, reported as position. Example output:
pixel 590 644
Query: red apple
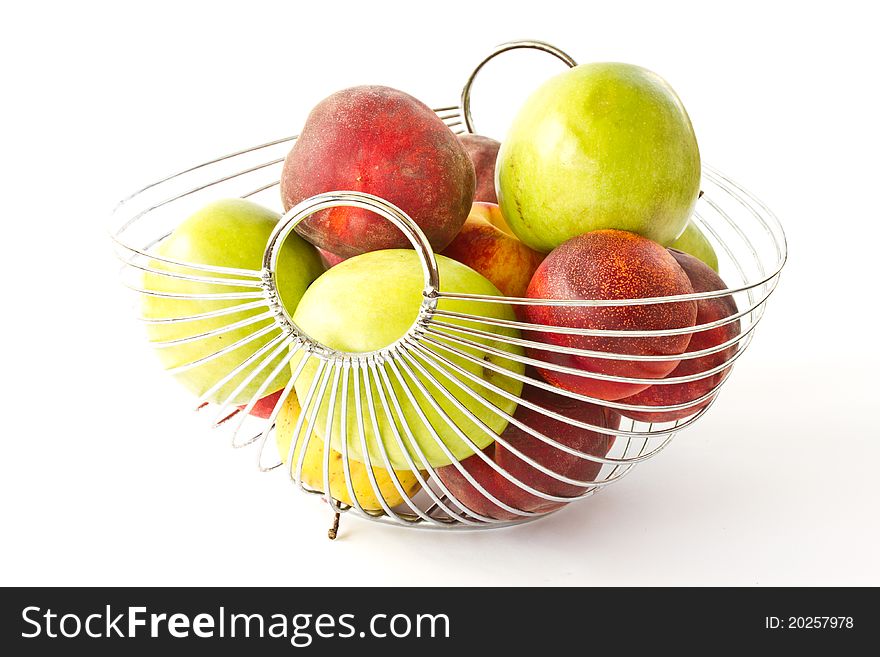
pixel 703 279
pixel 483 152
pixel 384 142
pixel 501 258
pixel 610 264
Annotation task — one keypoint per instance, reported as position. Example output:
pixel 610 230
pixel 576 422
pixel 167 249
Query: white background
pixel 106 477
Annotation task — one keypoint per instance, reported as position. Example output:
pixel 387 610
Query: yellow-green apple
pixel 500 257
pixel 610 264
pixel 703 279
pixel 227 233
pixel 483 152
pixel 599 146
pixel 385 142
pixel 561 462
pixel 369 302
pixel 695 242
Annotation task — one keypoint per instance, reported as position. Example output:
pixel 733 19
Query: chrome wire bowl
pixel 383 408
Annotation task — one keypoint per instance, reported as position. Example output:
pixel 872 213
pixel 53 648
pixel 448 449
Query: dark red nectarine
pixel 483 152
pixel 557 460
pixel 703 279
pixel 560 462
pixel 485 475
pixel 384 142
pixel 610 264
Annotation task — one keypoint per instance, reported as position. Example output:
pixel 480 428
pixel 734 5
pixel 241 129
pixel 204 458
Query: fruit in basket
pixel 486 476
pixel 694 242
pixel 500 257
pixel 370 301
pixel 483 152
pixel 491 212
pixel 599 146
pixel 265 405
pixel 313 467
pixel 561 462
pixel 380 141
pixel 703 279
pixel 609 264
pixel 330 259
pixel 227 233
pixel 570 465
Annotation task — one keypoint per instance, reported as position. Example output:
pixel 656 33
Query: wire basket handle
pixel 504 47
pixel 325 201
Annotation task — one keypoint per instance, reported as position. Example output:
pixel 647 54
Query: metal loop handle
pixel 504 47
pixel 325 201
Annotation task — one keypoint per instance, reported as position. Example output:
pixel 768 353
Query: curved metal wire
pixel 503 48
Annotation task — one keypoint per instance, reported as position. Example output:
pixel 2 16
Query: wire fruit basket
pixel 463 380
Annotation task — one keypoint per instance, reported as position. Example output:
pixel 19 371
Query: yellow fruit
pixel 313 467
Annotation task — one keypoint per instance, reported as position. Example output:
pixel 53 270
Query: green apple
pixel 368 302
pixel 599 146
pixel 226 233
pixel 694 242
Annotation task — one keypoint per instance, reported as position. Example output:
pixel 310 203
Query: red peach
pixel 500 257
pixel 491 213
pixel 384 142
